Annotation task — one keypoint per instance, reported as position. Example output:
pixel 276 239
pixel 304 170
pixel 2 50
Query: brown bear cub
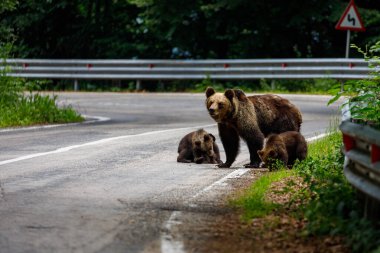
pixel 252 118
pixel 286 147
pixel 199 147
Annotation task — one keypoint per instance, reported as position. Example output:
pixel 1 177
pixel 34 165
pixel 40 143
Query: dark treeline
pixel 196 29
pixel 182 29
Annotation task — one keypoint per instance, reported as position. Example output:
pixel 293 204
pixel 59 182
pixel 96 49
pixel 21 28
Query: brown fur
pixel 251 118
pixel 286 147
pixel 199 147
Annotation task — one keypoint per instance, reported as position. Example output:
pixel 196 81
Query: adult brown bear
pixel 251 118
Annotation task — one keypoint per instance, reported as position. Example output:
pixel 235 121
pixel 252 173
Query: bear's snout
pixel 211 111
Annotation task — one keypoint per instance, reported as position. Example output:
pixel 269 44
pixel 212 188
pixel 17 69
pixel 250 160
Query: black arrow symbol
pixel 351 19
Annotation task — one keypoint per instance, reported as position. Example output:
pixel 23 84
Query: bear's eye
pixel 220 106
pixel 206 138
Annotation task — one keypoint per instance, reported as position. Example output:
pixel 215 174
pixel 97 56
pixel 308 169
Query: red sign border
pixel 338 25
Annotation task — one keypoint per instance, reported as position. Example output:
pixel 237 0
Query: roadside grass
pixel 325 201
pixel 20 109
pixel 253 202
pixel 36 110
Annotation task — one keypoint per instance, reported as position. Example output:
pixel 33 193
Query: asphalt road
pixel 114 185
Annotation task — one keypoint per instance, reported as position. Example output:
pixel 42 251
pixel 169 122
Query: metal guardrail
pixel 362 164
pixel 190 69
pixel 335 68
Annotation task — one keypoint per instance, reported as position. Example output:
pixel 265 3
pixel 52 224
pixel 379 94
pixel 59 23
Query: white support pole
pixel 138 84
pixel 347 54
pixel 76 85
pixel 348 44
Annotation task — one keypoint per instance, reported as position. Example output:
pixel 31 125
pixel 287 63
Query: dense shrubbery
pixel 330 203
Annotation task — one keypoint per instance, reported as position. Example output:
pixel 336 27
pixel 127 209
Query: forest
pixel 182 29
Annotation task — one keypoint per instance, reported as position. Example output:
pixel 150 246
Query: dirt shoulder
pixel 218 227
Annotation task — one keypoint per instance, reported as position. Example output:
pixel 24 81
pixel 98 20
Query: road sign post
pixel 348 43
pixel 350 21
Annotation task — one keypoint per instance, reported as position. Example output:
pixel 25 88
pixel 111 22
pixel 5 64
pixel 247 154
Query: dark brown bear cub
pixel 286 147
pixel 199 147
pixel 252 118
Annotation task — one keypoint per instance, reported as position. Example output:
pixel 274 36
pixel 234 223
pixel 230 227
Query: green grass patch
pixel 36 110
pixel 253 202
pixel 323 146
pixel 18 109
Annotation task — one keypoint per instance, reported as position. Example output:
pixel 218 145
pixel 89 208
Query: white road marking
pixel 94 119
pixel 222 182
pixel 311 139
pixel 102 141
pixel 168 243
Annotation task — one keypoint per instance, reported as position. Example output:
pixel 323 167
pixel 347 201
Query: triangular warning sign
pixel 350 19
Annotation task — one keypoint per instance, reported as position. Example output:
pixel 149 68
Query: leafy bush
pixel 364 95
pixel 330 204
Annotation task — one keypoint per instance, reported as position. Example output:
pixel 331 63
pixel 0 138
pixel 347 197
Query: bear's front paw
pixel 218 161
pixel 199 160
pixel 252 165
pixel 224 165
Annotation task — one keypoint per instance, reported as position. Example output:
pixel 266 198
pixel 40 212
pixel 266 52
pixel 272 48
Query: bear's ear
pixel 209 92
pixel 240 95
pixel 212 136
pixel 229 94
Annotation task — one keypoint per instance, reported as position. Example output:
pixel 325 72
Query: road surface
pixel 113 185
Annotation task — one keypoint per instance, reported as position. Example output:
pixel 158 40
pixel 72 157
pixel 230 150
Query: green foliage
pixel 364 95
pixel 7 5
pixel 202 86
pixel 150 29
pixel 10 87
pixel 6 30
pixel 313 85
pixel 18 109
pixel 182 29
pixel 330 203
pixel 327 201
pixel 36 109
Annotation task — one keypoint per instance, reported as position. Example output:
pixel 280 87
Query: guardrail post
pixel 161 86
pixel 273 85
pixel 76 85
pixel 138 84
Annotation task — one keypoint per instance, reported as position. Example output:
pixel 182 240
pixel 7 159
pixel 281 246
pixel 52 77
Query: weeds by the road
pixel 35 109
pixel 18 109
pixel 316 193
